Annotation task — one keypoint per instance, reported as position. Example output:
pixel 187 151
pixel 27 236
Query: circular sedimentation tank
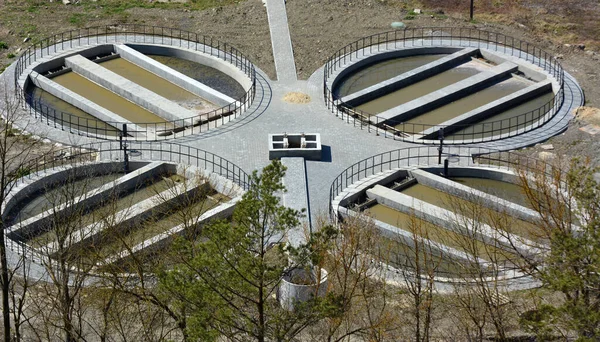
pixel 134 82
pixel 463 85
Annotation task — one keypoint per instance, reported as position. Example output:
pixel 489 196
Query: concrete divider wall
pixel 219 183
pixel 462 191
pixel 78 101
pixel 380 57
pixel 445 95
pixel 129 217
pixel 49 179
pixel 198 57
pixel 477 172
pixel 398 234
pixel 530 70
pixel 174 76
pixel 408 78
pixel 490 109
pixel 129 90
pixel 447 219
pixel 164 239
pixel 59 62
pixel 41 222
pixel 355 191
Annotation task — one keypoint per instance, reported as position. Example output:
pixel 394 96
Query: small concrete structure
pixel 408 78
pixel 43 221
pixel 129 90
pixel 174 76
pixel 306 145
pixel 291 292
pixel 490 109
pixel 444 96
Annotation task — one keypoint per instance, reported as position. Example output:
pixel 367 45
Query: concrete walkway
pixel 283 53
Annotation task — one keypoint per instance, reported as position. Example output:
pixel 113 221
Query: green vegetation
pixel 3 45
pixel 78 19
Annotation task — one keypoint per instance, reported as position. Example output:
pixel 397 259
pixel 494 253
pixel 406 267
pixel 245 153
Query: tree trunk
pixel 5 286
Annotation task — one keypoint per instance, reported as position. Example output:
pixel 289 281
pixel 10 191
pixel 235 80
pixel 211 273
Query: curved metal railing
pixel 432 37
pixel 139 34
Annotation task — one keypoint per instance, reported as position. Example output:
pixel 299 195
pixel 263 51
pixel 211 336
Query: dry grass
pixel 561 21
pixel 295 97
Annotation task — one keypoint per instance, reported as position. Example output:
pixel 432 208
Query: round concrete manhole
pixel 296 97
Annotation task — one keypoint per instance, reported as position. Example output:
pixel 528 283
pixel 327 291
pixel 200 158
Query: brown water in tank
pixel 381 71
pixel 424 87
pixel 491 126
pixel 464 105
pixel 157 84
pixel 107 99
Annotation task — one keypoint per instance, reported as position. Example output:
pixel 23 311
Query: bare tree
pixel 17 150
pixel 420 263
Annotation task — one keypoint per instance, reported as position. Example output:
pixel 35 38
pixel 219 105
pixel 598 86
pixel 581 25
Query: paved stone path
pixel 283 52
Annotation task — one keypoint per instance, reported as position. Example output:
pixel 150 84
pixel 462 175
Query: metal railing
pixel 434 37
pixel 141 151
pixel 135 34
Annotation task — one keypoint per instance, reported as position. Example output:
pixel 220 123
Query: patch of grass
pixel 115 7
pixel 409 17
pixel 21 172
pixel 78 19
pixel 10 55
pixel 3 45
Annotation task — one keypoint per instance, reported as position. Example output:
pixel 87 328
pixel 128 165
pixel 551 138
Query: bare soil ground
pixel 242 24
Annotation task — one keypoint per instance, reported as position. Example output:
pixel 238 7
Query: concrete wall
pixel 398 234
pixel 390 55
pixel 409 77
pixel 43 221
pixel 453 188
pixel 79 101
pixel 448 220
pixel 529 70
pixel 196 56
pixel 174 76
pixel 444 96
pixel 48 179
pixel 162 240
pixel 59 62
pixel 477 172
pixel 360 189
pixel 129 90
pixel 128 218
pixel 490 109
pixel 219 183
